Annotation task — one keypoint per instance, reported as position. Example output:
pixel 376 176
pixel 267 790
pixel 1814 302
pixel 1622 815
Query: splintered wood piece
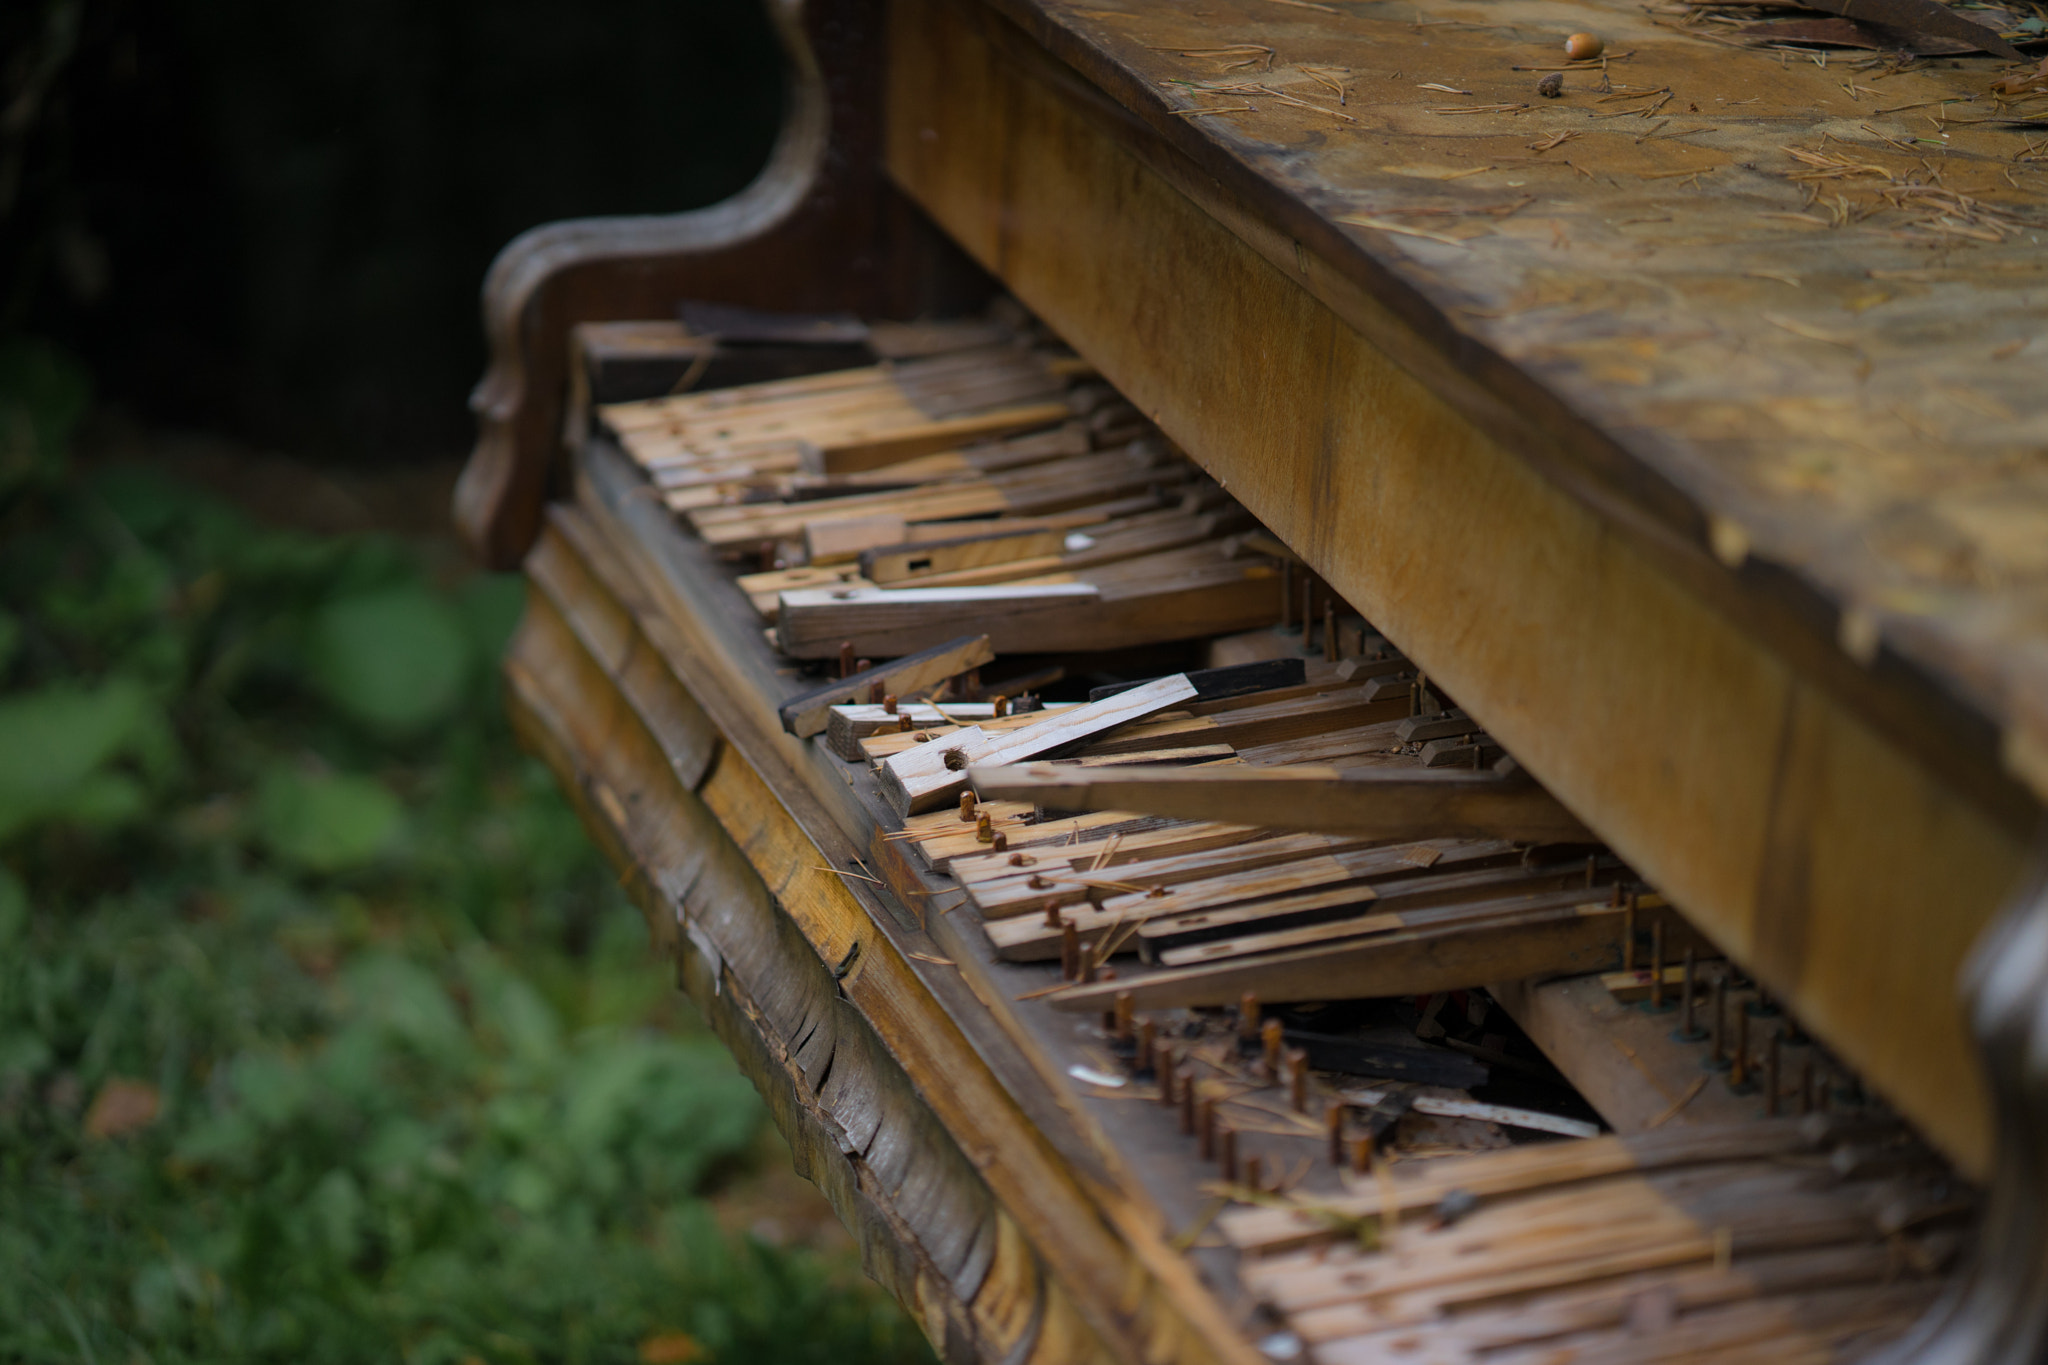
pixel 1581 938
pixel 1027 840
pixel 1410 1187
pixel 877 748
pixel 1098 846
pixel 840 542
pixel 1280 858
pixel 1270 925
pixel 1346 900
pixel 765 589
pixel 1336 880
pixel 1424 901
pixel 854 722
pixel 807 616
pixel 933 774
pixel 810 712
pixel 1001 546
pixel 856 454
pixel 1381 803
pixel 1037 489
pixel 1266 723
pixel 1607 1306
pixel 1176 595
pixel 1452 1108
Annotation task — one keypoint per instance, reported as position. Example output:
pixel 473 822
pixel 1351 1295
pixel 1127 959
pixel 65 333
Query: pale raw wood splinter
pixel 1382 803
pixel 811 712
pixel 933 774
pixel 1583 938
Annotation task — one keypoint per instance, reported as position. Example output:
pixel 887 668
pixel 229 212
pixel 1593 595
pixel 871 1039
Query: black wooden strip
pixel 1214 684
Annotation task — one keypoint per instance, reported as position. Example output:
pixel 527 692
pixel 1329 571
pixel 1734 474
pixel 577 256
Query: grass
pixel 324 1036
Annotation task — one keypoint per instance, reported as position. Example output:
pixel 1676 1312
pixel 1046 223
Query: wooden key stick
pixel 811 712
pixel 921 778
pixel 1271 1034
pixel 1333 1128
pixel 1377 803
pixel 966 808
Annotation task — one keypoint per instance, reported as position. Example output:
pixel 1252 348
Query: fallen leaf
pixel 670 1348
pixel 122 1107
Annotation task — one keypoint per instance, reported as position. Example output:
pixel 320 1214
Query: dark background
pixel 271 222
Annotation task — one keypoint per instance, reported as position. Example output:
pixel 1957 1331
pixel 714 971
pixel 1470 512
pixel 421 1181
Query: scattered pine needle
pixel 1809 331
pixel 1382 225
pixel 1691 1093
pixel 859 877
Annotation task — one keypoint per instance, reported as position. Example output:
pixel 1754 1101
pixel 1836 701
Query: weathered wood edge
pixel 1958 736
pixel 1044 1159
pixel 937 1250
pixel 818 229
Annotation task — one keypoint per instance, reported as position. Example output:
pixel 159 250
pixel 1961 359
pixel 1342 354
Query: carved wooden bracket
pixel 1998 1313
pixel 819 229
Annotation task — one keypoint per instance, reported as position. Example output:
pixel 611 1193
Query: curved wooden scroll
pixel 1998 1313
pixel 819 229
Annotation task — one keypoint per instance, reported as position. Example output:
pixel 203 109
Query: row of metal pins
pixel 1288 619
pixel 1739 1061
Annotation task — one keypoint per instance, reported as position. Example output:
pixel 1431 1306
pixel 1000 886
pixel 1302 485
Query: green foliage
pixel 411 1089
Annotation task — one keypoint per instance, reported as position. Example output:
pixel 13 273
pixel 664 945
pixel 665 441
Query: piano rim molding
pixel 823 1150
pixel 819 202
pixel 524 268
pixel 1140 1293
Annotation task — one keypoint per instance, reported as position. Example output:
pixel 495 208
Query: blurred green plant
pixel 323 1034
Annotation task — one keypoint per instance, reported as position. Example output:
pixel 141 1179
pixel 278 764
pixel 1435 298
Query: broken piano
pixel 1236 811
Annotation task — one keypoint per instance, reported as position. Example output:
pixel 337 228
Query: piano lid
pixel 1785 303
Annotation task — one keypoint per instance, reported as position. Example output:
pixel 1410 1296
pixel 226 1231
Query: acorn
pixel 1583 47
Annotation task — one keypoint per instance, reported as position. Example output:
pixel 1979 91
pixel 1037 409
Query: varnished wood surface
pixel 1846 853
pixel 1850 411
pixel 818 230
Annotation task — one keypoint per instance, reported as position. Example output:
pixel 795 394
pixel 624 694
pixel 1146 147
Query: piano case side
pixel 818 230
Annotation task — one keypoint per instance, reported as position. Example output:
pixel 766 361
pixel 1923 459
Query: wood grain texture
pixel 850 1114
pixel 817 230
pixel 1807 841
pixel 1377 803
pixel 1813 423
pixel 1121 1289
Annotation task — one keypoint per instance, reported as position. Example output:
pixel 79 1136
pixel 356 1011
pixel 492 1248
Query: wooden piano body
pixel 1686 432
